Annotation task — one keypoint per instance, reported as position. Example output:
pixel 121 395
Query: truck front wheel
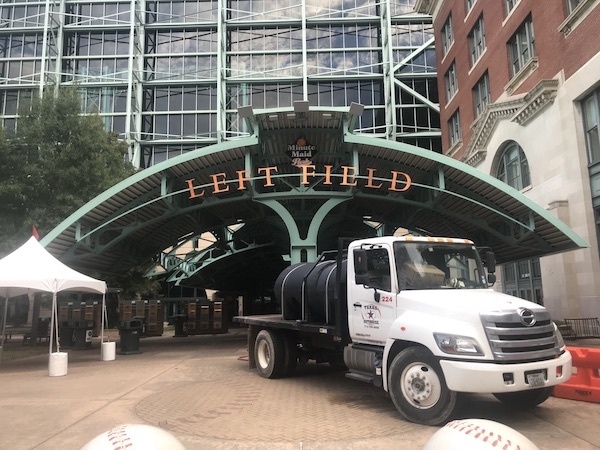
pixel 418 388
pixel 269 354
pixel 525 399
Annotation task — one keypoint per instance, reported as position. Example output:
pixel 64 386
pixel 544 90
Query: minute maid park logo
pixel 301 152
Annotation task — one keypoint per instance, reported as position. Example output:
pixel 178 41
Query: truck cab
pixel 421 311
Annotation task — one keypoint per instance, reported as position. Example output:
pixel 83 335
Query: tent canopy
pixel 31 268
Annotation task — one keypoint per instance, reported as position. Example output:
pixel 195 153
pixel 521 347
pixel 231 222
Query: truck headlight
pixel 457 345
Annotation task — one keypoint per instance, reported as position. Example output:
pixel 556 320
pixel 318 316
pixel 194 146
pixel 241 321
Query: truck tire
pixel 418 389
pixel 525 399
pixel 269 354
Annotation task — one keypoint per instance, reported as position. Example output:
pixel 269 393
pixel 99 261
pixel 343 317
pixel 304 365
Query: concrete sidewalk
pixel 200 390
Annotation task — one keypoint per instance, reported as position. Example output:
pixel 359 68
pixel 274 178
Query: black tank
pixel 318 291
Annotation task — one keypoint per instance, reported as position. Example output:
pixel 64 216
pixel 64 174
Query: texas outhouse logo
pixel 371 315
pixel 301 152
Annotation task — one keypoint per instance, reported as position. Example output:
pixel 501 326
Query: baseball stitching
pixel 119 439
pixel 478 432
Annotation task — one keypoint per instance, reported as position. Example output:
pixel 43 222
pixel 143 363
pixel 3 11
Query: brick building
pixel 519 84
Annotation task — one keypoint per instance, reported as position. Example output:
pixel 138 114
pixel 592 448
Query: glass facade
pixel 590 108
pixel 524 279
pixel 169 75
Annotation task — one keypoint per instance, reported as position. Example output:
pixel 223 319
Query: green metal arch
pixel 141 175
pixel 496 183
pixel 360 145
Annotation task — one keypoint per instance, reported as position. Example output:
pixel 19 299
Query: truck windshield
pixel 429 265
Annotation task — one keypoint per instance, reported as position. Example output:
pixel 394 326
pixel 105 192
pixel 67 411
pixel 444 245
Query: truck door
pixel 372 307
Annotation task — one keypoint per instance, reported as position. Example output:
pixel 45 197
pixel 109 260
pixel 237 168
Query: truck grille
pixel 521 335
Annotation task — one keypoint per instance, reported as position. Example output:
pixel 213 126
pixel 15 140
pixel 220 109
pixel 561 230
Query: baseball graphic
pixel 134 437
pixel 478 434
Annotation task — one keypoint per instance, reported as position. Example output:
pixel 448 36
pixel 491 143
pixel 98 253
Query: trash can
pixel 129 333
pixel 179 321
pixel 82 334
pixel 65 333
pixel 142 319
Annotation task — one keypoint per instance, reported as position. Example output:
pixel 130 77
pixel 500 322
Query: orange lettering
pixel 328 174
pixel 217 183
pixel 306 173
pixel 395 181
pixel 267 171
pixel 349 173
pixel 370 179
pixel 193 194
pixel 242 178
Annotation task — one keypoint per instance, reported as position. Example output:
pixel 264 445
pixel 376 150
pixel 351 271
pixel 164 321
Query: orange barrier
pixel 584 383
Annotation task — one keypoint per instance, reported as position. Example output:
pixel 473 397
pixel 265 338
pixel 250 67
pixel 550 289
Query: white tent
pixel 31 268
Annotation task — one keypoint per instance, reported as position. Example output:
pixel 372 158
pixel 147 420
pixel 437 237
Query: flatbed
pixel 310 334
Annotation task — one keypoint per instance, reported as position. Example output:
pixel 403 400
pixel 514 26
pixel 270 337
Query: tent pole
pixel 4 322
pixel 103 322
pixel 56 325
pixel 52 322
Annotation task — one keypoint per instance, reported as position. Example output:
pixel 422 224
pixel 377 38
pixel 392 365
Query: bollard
pixel 584 383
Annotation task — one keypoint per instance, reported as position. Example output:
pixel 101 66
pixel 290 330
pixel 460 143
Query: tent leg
pixel 4 323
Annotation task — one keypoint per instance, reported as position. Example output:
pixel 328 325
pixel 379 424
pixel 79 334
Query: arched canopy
pixel 297 175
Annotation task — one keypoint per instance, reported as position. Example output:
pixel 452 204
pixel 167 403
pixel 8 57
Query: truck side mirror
pixel 360 266
pixel 490 262
pixel 491 267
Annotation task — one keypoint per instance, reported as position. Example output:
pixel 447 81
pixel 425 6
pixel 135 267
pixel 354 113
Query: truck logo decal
pixel 370 316
pixel 527 317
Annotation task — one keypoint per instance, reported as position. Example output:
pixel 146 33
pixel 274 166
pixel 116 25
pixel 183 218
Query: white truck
pixel 417 317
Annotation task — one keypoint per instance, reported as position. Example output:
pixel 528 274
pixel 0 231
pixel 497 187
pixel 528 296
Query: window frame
pixel 454 130
pixel 451 82
pixel 521 47
pixel 469 6
pixel 591 125
pixel 518 163
pixel 480 102
pixel 572 5
pixel 524 279
pixel 447 35
pixel 509 5
pixel 476 40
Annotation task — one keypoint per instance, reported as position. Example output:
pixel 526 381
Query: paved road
pixel 200 389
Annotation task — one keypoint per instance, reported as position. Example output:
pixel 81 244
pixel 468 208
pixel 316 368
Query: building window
pixel 597 217
pixel 469 5
pixel 481 95
pixel 523 279
pixel 454 128
pixel 513 167
pixel 447 35
pixel 572 4
pixel 510 5
pixel 521 47
pixel 591 122
pixel 451 84
pixel 476 41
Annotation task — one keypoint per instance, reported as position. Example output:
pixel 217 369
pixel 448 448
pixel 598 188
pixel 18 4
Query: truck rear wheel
pixel 269 354
pixel 525 399
pixel 418 388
